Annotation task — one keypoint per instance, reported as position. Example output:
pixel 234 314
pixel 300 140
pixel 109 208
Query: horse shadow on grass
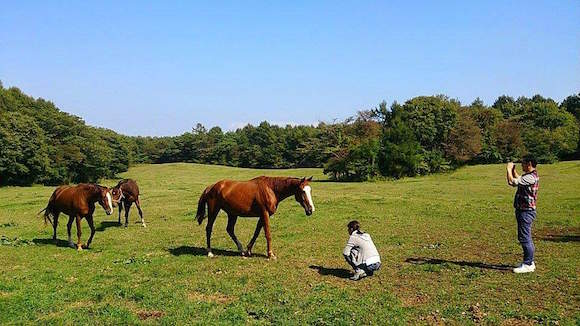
pixel 435 261
pixel 58 242
pixel 107 224
pixel 199 251
pixel 336 272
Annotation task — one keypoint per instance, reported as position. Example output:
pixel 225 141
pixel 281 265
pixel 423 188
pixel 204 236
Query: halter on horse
pixel 125 193
pixel 258 197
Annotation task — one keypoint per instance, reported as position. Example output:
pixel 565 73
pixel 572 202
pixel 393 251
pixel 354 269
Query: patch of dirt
pixel 558 234
pixel 434 318
pixel 477 313
pixel 145 314
pixel 517 322
pixel 215 297
pixel 414 300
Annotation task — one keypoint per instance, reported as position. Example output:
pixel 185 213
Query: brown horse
pixel 258 197
pixel 77 202
pixel 126 192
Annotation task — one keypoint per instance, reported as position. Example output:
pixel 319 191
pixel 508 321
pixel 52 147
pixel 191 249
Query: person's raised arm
pixel 515 174
pixel 510 169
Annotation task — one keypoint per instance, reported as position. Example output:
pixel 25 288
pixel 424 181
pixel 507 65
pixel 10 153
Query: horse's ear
pixel 302 180
pixel 309 179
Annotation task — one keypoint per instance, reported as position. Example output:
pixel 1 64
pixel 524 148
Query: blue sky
pixel 158 68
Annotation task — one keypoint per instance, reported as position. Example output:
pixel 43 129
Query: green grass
pixel 437 235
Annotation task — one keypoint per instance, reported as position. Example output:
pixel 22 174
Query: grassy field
pixel 446 241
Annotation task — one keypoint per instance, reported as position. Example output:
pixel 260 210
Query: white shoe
pixel 358 275
pixel 524 268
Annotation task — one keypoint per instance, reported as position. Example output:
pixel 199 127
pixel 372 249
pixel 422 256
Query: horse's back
pixel 63 199
pixel 243 198
pixel 130 188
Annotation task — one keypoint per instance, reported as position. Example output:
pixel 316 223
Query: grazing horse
pixel 126 192
pixel 258 197
pixel 77 202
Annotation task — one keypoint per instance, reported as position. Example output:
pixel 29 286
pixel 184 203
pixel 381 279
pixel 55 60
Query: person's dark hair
pixel 354 225
pixel 530 159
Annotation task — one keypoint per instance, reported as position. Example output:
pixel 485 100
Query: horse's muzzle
pixel 109 212
pixel 308 212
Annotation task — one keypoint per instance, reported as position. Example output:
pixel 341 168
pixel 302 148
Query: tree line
pixel 427 134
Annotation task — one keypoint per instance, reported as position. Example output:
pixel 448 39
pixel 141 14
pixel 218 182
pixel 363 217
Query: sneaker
pixel 525 268
pixel 358 275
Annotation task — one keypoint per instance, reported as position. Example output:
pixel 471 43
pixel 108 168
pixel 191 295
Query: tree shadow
pixel 199 251
pixel 58 242
pixel 105 225
pixel 336 272
pixel 435 261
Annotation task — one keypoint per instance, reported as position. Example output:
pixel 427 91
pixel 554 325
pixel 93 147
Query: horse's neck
pixel 284 188
pixel 93 194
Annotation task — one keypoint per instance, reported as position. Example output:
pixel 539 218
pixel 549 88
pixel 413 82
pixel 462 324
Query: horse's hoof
pixel 210 255
pixel 144 225
pixel 271 256
pixel 126 225
pixel 79 248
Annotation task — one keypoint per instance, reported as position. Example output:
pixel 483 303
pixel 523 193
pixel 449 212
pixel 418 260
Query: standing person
pixel 525 206
pixel 360 252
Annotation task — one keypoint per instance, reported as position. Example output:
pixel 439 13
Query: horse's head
pixel 117 195
pixel 105 200
pixel 303 196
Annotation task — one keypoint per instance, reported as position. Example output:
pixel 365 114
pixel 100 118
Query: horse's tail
pixel 47 213
pixel 201 205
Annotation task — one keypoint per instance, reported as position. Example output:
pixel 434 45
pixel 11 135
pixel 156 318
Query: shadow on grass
pixel 560 238
pixel 435 261
pixel 336 272
pixel 58 242
pixel 558 234
pixel 199 251
pixel 105 225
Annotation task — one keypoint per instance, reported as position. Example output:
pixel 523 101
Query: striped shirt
pixel 527 193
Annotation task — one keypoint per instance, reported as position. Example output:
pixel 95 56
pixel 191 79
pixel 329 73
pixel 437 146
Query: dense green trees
pixel 41 144
pixel 433 134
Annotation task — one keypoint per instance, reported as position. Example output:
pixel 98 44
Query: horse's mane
pixel 93 187
pixel 279 185
pixel 121 182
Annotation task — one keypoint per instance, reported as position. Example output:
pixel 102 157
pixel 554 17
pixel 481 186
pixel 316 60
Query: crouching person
pixel 360 252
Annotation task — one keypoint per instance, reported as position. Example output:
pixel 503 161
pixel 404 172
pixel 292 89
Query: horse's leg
pixel 54 224
pixel 230 228
pixel 120 209
pixel 79 233
pixel 212 214
pixel 256 234
pixel 266 218
pixel 68 227
pixel 138 204
pixel 127 208
pixel 92 226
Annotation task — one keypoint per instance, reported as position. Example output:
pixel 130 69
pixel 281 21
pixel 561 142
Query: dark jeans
pixel 525 220
pixel 369 269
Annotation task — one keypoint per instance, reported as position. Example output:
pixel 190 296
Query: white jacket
pixel 364 244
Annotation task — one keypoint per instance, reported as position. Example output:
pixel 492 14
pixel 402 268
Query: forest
pixel 40 144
